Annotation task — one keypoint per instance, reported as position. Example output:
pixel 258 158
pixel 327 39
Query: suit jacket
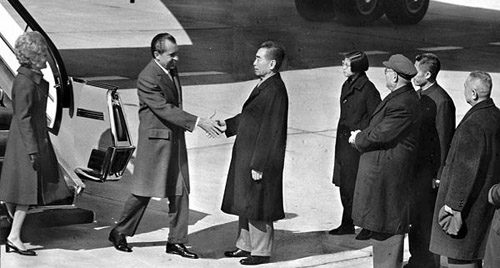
pixel 388 147
pixel 358 100
pixel 261 131
pixel 161 167
pixel 28 134
pixel 436 132
pixel 471 169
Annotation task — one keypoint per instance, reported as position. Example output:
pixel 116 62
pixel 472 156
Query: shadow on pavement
pixel 212 242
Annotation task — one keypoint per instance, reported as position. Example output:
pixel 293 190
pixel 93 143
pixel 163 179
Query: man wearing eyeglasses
pixel 388 146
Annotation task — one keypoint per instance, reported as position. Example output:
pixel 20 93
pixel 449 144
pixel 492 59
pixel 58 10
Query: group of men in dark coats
pixel 405 146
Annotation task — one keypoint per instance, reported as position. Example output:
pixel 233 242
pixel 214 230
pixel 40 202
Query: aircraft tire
pixel 405 11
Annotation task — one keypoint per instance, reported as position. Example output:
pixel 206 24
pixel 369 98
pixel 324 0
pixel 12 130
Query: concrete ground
pixel 312 203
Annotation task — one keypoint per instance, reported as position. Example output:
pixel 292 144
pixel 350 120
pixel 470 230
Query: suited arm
pixel 445 126
pixel 232 125
pixel 396 120
pixel 151 94
pixel 24 90
pixel 274 121
pixel 464 164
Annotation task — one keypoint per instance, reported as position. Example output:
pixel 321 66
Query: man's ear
pixel 156 54
pixel 272 64
pixel 428 75
pixel 475 95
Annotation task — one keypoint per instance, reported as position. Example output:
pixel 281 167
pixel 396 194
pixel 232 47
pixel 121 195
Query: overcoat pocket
pixel 159 134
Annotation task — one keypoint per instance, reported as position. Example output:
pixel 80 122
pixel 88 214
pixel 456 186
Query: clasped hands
pixel 213 128
pixel 352 138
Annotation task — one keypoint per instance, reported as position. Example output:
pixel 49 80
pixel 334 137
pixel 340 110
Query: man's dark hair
pixel 157 44
pixel 431 62
pixel 275 52
pixel 359 61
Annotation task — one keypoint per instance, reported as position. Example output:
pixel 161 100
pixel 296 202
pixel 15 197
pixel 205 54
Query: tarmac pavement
pixel 312 203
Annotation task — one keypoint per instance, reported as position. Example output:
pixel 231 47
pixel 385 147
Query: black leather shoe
pixel 364 235
pixel 181 250
pixel 237 253
pixel 255 260
pixel 119 241
pixel 342 230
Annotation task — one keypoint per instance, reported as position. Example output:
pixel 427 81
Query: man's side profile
pixel 255 179
pixel 161 167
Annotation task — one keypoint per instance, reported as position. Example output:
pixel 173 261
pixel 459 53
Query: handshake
pixel 213 128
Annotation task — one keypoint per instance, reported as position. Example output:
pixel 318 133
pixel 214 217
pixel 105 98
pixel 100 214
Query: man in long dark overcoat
pixel 388 146
pixel 491 256
pixel 462 214
pixel 255 180
pixel 436 132
pixel 161 167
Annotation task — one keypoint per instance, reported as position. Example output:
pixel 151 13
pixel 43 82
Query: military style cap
pixel 401 65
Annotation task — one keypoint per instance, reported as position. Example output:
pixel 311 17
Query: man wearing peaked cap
pixel 386 167
pixel 402 66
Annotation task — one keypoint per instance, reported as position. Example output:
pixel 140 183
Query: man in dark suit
pixel 462 214
pixel 255 179
pixel 388 146
pixel 436 132
pixel 161 168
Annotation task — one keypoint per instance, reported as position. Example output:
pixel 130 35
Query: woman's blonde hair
pixel 31 50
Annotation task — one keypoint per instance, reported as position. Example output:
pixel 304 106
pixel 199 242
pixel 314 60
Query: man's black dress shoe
pixel 119 241
pixel 342 230
pixel 181 250
pixel 255 260
pixel 364 235
pixel 237 253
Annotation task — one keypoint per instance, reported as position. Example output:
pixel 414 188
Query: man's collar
pixel 163 68
pixel 427 86
pixel 264 78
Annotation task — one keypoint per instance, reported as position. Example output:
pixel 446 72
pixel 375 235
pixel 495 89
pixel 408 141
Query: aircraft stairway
pixel 86 121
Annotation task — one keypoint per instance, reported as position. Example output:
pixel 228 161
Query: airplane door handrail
pixel 61 77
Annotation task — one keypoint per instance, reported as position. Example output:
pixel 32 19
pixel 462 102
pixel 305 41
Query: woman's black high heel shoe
pixel 27 252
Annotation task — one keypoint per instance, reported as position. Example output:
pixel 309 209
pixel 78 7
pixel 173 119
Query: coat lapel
pixel 256 91
pixel 357 82
pixel 165 82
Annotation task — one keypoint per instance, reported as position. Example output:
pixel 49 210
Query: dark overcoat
pixel 436 132
pixel 492 258
pixel 28 134
pixel 161 167
pixel 358 100
pixel 388 146
pixel 471 169
pixel 261 131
